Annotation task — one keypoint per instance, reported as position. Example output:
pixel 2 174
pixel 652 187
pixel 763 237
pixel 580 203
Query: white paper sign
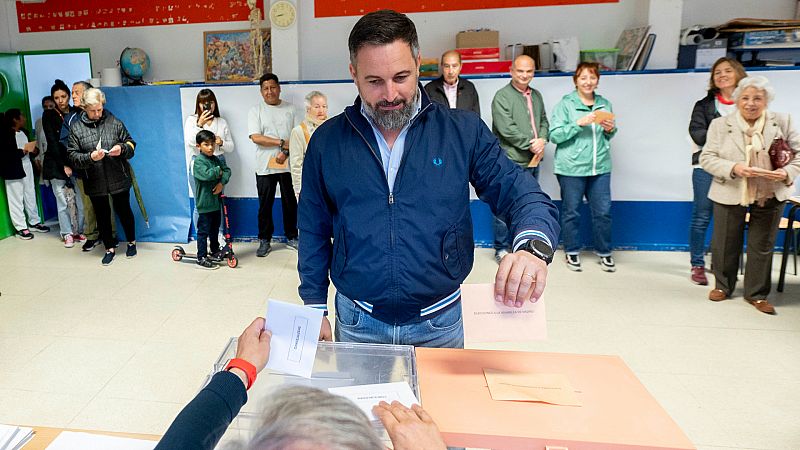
pixel 368 395
pixel 71 440
pixel 295 332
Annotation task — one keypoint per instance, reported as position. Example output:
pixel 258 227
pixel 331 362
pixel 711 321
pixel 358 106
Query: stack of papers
pixel 13 437
pixel 70 440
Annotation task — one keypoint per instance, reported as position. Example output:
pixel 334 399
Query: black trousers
pixel 122 207
pixel 727 241
pixel 266 185
pixel 208 229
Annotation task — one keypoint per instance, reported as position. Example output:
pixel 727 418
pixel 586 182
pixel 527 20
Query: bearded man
pixel 385 205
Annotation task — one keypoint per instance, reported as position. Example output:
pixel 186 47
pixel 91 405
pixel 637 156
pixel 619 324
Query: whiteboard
pixel 41 71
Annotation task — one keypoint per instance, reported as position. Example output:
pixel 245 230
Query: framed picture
pixel 228 56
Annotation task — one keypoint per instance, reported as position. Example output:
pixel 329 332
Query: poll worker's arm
pixel 516 198
pixel 315 222
pixel 505 125
pixel 202 422
pixel 409 428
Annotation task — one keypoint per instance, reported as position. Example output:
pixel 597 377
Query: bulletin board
pixel 360 7
pixel 59 15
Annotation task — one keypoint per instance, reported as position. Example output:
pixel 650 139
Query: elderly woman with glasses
pixel 100 145
pixel 745 182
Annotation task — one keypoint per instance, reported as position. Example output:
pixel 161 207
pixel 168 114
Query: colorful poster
pixel 335 8
pixel 60 15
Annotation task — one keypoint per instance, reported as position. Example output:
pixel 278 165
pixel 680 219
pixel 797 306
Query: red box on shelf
pixel 468 67
pixel 479 53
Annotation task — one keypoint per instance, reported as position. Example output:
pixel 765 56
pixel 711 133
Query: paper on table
pixel 70 440
pixel 552 388
pixel 368 395
pixel 295 330
pixel 600 116
pixel 13 437
pixel 486 320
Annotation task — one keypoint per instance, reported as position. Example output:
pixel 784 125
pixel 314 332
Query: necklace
pixel 722 100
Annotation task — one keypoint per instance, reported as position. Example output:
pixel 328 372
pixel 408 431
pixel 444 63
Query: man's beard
pixel 394 119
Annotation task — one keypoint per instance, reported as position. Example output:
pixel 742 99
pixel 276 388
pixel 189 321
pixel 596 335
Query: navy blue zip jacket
pixel 404 251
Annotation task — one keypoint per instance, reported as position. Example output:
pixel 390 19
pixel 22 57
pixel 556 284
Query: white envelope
pixel 295 333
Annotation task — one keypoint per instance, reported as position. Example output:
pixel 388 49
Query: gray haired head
pixel 84 84
pixel 306 417
pixel 382 28
pixel 310 97
pixel 759 82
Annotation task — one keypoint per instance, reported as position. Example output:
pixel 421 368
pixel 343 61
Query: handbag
pixel 780 153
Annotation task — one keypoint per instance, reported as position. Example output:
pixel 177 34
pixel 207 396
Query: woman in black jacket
pixel 725 76
pixel 100 145
pixel 56 168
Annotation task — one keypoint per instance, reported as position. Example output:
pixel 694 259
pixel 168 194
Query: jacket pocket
pixel 339 254
pixel 451 253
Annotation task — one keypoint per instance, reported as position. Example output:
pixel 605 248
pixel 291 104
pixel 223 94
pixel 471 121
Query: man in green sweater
pixel 520 123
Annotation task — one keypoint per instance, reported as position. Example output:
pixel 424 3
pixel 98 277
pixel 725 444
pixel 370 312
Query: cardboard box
pixel 790 37
pixel 479 53
pixel 708 52
pixel 478 38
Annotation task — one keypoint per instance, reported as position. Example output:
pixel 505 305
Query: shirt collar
pixel 523 92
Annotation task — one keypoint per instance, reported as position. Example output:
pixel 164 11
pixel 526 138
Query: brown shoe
pixel 699 275
pixel 717 295
pixel 763 305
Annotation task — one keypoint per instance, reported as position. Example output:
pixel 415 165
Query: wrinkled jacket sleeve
pixel 710 158
pixel 297 149
pixel 206 170
pixel 793 139
pixel 563 127
pixel 201 423
pixel 226 173
pixel 541 121
pixel 503 123
pixel 227 139
pixel 52 132
pixel 513 194
pixel 315 222
pixel 698 125
pixel 77 158
pixel 125 141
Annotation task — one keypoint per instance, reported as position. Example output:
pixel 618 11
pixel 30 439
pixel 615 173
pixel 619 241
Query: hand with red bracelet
pixel 253 347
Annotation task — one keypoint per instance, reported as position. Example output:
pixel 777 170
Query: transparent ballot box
pixel 337 364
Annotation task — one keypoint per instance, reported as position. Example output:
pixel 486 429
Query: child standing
pixel 210 174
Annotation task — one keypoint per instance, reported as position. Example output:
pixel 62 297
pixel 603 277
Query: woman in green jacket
pixel 581 127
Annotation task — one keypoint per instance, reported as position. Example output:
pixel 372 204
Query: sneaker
pixel 25 235
pixel 699 275
pixel 264 248
pixel 574 263
pixel 69 241
pixel 108 258
pixel 131 251
pixel 499 255
pixel 215 256
pixel 292 243
pixel 90 244
pixel 607 264
pixel 205 263
pixel 79 238
pixel 40 228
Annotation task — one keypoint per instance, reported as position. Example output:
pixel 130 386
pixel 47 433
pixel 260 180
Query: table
pixel 795 202
pixel 617 410
pixel 44 436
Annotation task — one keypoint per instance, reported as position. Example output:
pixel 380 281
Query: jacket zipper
pixel 594 149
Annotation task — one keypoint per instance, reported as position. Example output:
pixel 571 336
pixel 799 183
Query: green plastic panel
pixel 12 95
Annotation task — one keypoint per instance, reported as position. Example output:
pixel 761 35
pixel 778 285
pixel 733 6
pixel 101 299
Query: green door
pixel 12 95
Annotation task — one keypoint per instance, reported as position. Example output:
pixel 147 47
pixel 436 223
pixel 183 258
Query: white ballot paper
pixel 295 331
pixel 368 395
pixel 71 440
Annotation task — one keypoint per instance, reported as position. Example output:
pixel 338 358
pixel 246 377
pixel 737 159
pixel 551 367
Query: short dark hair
pixel 84 84
pixel 267 77
pixel 205 136
pixel 47 98
pixel 382 28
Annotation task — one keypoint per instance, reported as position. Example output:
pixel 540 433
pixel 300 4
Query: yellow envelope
pixel 553 388
pixel 537 157
pixel 600 116
pixel 273 164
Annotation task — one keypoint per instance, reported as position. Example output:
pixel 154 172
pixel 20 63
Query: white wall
pixel 717 12
pixel 176 51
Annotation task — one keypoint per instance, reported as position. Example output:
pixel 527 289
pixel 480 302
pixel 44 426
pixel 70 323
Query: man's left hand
pixel 115 150
pixel 521 277
pixel 280 158
pixel 537 145
pixel 217 189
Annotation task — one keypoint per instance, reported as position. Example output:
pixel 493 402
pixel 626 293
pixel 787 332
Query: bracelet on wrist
pixel 246 367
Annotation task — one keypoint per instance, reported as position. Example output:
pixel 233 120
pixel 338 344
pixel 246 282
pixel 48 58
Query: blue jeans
pixel 702 211
pixel 501 238
pixel 208 229
pixel 597 189
pixel 64 216
pixel 353 324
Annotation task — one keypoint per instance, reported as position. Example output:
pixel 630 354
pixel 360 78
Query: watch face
pixel 542 247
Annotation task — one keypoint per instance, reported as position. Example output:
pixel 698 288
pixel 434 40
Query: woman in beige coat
pixel 736 154
pixel 316 113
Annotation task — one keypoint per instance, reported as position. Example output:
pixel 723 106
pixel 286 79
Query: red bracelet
pixel 246 367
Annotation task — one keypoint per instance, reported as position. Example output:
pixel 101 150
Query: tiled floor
pixel 125 347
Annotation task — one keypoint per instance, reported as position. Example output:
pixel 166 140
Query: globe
pixel 134 63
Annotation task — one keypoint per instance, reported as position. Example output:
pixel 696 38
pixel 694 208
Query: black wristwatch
pixel 539 249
